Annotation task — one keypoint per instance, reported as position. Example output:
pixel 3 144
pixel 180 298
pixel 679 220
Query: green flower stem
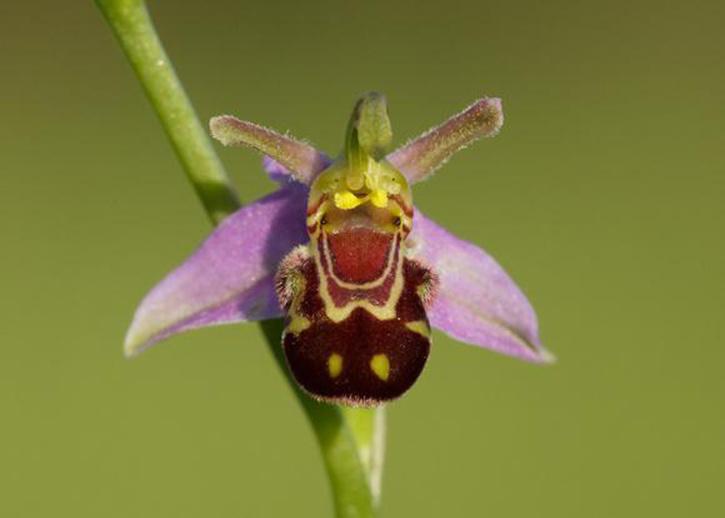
pixel 135 32
pixel 351 440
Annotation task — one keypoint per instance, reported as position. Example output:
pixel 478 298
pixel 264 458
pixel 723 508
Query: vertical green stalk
pixel 135 32
pixel 351 440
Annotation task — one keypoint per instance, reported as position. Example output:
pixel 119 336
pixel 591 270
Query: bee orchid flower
pixel 359 274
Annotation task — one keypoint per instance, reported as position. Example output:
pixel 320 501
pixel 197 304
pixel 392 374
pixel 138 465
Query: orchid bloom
pixel 359 274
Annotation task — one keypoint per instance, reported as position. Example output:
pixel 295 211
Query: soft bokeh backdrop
pixel 603 196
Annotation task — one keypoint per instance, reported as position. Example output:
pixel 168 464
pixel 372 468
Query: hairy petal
pixel 476 301
pixel 420 157
pixel 301 160
pixel 230 278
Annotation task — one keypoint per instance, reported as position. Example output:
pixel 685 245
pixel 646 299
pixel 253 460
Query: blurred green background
pixel 603 197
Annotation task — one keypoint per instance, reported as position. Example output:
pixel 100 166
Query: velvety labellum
pixel 356 330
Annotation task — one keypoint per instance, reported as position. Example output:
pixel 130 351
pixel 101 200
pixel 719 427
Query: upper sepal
pixel 230 278
pixel 369 132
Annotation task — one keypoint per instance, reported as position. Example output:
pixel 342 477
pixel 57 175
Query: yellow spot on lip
pixel 298 323
pixel 334 365
pixel 380 365
pixel 420 327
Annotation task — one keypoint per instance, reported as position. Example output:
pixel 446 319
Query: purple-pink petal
pixel 299 159
pixel 230 278
pixel 420 157
pixel 476 302
pixel 276 171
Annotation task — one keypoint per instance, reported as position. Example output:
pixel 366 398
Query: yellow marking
pixel 338 314
pixel 372 182
pixel 422 291
pixel 315 216
pixel 350 185
pixel 420 327
pixel 297 323
pixel 334 365
pixel 346 200
pixel 380 365
pixel 379 198
pixel 394 265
